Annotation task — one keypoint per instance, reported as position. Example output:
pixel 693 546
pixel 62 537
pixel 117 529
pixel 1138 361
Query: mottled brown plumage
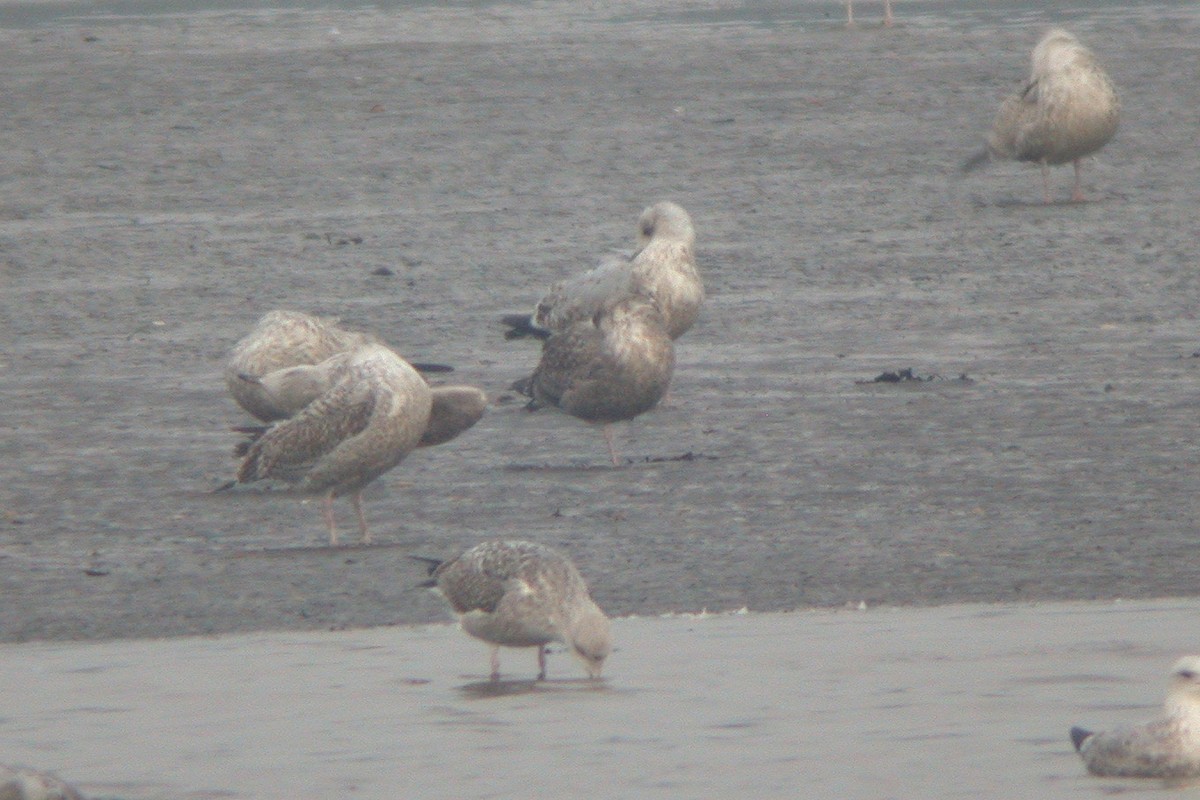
pixel 1068 110
pixel 376 412
pixel 22 783
pixel 261 372
pixel 609 368
pixel 522 594
pixel 664 266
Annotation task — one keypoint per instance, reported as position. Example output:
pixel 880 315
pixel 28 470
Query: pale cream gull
pixel 1167 747
pixel 664 266
pixel 1068 110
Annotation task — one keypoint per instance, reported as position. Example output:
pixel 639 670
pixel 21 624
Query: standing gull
pixel 664 266
pixel 1165 747
pixel 1068 110
pixel 888 20
pixel 522 594
pixel 611 367
pixel 376 412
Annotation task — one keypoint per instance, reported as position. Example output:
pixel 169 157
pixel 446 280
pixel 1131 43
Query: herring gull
pixel 1068 110
pixel 377 411
pixel 22 783
pixel 611 367
pixel 663 266
pixel 888 20
pixel 522 594
pixel 1165 747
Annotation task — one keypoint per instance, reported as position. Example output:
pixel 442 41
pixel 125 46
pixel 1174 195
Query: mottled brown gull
pixel 376 412
pixel 522 594
pixel 664 265
pixel 1068 110
pixel 888 20
pixel 289 359
pixel 22 783
pixel 1166 747
pixel 611 367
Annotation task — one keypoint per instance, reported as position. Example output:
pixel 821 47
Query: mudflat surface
pixel 167 179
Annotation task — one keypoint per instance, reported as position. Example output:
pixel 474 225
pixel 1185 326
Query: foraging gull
pixel 377 410
pixel 663 266
pixel 1068 110
pixel 608 368
pixel 522 594
pixel 1165 747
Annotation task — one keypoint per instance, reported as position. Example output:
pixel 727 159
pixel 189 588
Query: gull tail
pixel 432 564
pixel 1079 736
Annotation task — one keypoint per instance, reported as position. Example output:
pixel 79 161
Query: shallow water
pixel 963 701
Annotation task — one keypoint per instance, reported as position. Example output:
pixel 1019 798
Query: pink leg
pixel 1046 182
pixel 356 501
pixel 608 439
pixel 541 662
pixel 849 13
pixel 888 20
pixel 1077 193
pixel 495 663
pixel 327 513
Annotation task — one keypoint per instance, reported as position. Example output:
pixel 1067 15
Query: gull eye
pixel 648 230
pixel 1186 674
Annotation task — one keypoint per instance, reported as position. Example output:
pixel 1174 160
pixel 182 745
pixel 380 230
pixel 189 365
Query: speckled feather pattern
pixel 365 425
pixel 515 593
pixel 281 340
pixel 610 371
pixel 664 266
pixel 1068 110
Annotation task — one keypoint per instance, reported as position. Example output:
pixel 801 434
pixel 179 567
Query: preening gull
pixel 522 594
pixel 1068 110
pixel 663 266
pixel 611 367
pixel 22 783
pixel 377 410
pixel 289 359
pixel 888 20
pixel 1165 747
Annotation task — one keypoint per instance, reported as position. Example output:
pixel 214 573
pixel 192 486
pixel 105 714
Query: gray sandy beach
pixel 418 170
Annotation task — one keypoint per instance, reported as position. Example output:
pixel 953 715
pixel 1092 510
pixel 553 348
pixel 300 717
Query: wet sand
pixel 168 179
pixel 952 702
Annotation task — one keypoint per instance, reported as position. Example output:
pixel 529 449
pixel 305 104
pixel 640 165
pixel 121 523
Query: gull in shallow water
pixel 1068 110
pixel 1165 747
pixel 22 783
pixel 664 266
pixel 888 20
pixel 611 367
pixel 522 594
pixel 377 410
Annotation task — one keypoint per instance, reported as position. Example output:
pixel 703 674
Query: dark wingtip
pixel 977 160
pixel 421 366
pixel 432 564
pixel 1079 736
pixel 225 487
pixel 523 386
pixel 521 326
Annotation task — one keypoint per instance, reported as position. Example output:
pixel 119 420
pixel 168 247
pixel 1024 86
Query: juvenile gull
pixel 22 783
pixel 664 266
pixel 289 359
pixel 522 594
pixel 1068 110
pixel 888 20
pixel 376 412
pixel 611 367
pixel 1165 747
